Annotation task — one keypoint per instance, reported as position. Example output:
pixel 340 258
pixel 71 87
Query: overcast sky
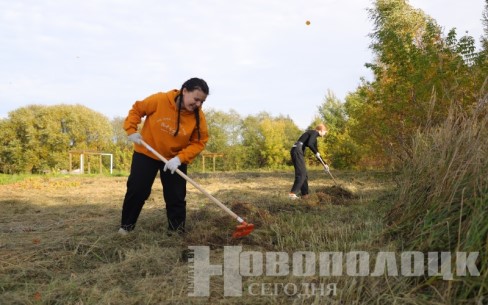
pixel 256 55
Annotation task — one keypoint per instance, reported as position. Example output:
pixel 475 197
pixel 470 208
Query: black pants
pixel 301 177
pixel 143 171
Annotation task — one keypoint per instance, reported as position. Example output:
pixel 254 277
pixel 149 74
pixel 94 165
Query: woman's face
pixel 193 99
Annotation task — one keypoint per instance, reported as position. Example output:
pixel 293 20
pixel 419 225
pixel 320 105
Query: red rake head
pixel 242 230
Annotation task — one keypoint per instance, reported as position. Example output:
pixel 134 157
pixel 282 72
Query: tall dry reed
pixel 442 200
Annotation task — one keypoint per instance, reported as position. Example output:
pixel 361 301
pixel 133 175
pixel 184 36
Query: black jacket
pixel 309 139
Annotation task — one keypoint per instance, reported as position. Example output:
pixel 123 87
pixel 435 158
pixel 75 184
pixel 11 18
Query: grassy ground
pixel 58 240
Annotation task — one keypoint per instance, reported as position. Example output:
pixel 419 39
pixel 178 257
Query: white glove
pixel 136 138
pixel 172 164
pixel 326 167
pixel 317 155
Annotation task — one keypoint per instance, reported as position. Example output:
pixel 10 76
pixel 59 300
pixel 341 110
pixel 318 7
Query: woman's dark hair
pixel 190 85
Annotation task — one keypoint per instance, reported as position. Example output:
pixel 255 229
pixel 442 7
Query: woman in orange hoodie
pixel 175 127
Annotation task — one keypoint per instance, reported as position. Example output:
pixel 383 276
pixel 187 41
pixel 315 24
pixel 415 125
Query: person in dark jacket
pixel 307 139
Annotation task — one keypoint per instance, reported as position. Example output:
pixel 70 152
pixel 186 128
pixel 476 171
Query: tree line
pixel 39 138
pixel 418 75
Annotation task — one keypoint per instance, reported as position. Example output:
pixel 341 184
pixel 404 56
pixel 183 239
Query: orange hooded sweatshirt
pixel 159 127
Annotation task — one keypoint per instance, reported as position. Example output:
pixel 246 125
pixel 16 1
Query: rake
pixel 243 229
pixel 328 171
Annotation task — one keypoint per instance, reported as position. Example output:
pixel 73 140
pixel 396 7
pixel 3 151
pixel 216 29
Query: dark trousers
pixel 301 177
pixel 143 171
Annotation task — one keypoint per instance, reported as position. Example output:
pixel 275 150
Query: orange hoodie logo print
pixel 168 125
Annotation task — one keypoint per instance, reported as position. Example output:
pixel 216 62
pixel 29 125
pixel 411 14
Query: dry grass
pixel 58 241
pixel 442 201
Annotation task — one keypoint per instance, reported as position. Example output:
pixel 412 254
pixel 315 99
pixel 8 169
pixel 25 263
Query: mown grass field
pixel 58 240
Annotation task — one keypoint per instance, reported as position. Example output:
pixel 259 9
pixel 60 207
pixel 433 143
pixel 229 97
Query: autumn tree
pixel 267 140
pixel 225 137
pixel 121 148
pixel 418 74
pixel 341 150
pixel 224 128
pixel 482 60
pixel 39 137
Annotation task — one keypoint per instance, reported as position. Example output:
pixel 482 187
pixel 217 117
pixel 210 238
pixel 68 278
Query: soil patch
pixel 334 195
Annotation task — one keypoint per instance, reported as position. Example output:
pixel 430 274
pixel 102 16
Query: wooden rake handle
pixel 328 171
pixel 184 176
